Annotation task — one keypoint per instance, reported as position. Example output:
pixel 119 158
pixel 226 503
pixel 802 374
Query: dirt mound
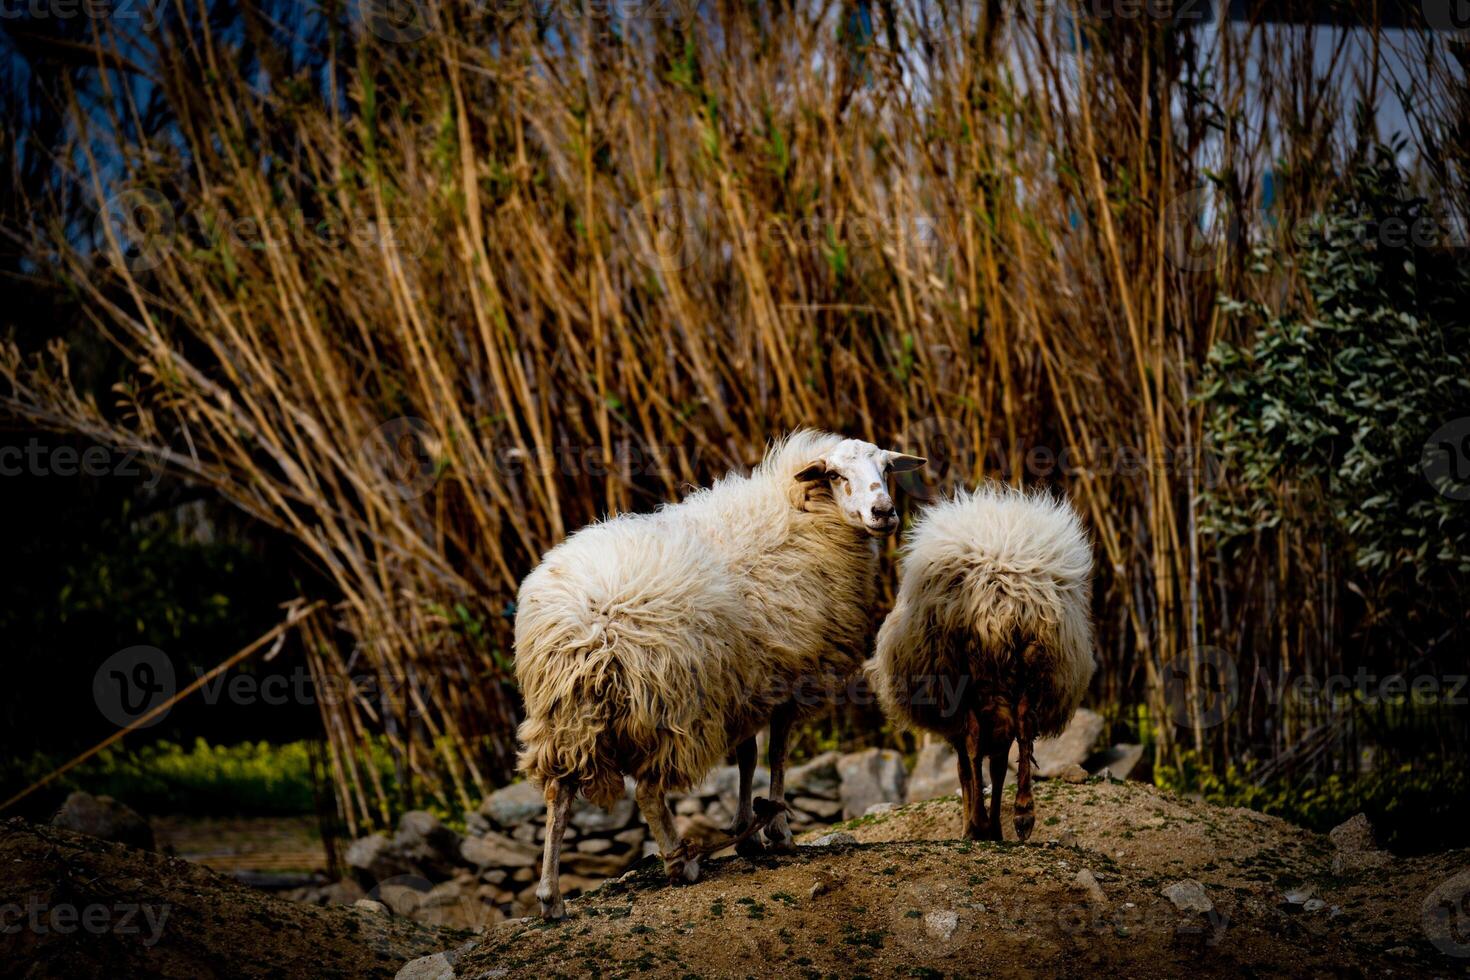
pixel 75 906
pixel 901 897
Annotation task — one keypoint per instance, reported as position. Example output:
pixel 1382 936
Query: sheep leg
pixel 678 865
pixel 973 789
pixel 778 834
pixel 1025 735
pixel 745 815
pixel 559 796
pixel 998 762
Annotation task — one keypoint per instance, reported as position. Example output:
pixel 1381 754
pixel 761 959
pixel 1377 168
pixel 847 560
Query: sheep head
pixel 856 473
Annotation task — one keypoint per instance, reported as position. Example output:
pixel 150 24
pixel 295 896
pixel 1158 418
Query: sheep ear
pixel 902 463
pixel 815 470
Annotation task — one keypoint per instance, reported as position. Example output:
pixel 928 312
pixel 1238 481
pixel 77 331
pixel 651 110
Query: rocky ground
pixel 1119 876
pixel 72 905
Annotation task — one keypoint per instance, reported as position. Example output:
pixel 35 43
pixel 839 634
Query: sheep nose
pixel 882 511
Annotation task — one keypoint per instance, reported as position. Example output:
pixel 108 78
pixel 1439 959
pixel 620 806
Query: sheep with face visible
pixel 993 610
pixel 649 644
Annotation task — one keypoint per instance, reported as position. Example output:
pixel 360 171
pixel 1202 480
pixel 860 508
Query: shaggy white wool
pixel 986 577
pixel 648 644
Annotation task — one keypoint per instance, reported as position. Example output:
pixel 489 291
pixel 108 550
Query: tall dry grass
pixel 489 277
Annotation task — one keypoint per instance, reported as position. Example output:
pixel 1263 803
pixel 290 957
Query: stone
pixel 878 808
pixel 438 966
pixel 1121 761
pixel 594 845
pixel 1356 847
pixel 1188 895
pixel 368 905
pixel 1085 881
pixel 374 858
pixel 1072 773
pixel 595 820
pixel 936 773
pixel 455 905
pixel 723 783
pixel 594 865
pixel 819 777
pixel 526 833
pixel 427 846
pixel 688 806
pixel 817 807
pixel 515 804
pixel 494 876
pixel 104 818
pixel 868 777
pixel 632 837
pixel 1073 746
pixel 834 839
pixel 435 967
pixel 499 851
pixel 941 924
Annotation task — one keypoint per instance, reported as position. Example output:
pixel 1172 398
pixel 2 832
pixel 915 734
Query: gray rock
pixel 1121 761
pixel 833 839
pixel 594 820
pixel 723 783
pixel 819 777
pixel 1072 773
pixel 1085 881
pixel 594 845
pixel 514 804
pixel 368 905
pixel 936 773
pixel 868 777
pixel 375 859
pixel 941 923
pixel 818 807
pixel 1357 850
pixel 878 808
pixel 427 846
pixel 438 966
pixel 1074 745
pixel 1188 895
pixel 104 818
pixel 498 851
pixel 633 836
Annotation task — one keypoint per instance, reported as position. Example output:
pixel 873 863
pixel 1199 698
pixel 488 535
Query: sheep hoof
pixel 553 910
pixel 682 871
pixel 750 847
pixel 1024 823
pixel 780 841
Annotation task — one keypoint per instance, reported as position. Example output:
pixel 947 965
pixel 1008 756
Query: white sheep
pixel 649 644
pixel 990 637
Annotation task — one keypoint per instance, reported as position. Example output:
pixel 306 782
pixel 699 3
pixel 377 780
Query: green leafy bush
pixel 1324 414
pixel 255 778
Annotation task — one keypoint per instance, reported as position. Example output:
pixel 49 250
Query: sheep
pixel 990 637
pixel 647 645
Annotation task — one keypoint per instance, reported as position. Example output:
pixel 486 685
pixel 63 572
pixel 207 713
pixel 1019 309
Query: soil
pixel 908 900
pixel 902 898
pixel 74 906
